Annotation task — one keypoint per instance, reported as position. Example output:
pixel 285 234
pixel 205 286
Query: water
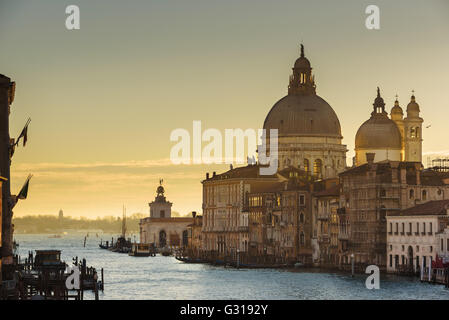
pixel 166 278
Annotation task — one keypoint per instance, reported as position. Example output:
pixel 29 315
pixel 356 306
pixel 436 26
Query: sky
pixel 104 99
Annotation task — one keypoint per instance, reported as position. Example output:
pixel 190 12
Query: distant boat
pixel 141 250
pixel 56 236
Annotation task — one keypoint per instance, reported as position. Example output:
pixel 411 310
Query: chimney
pixel 403 175
pixel 418 173
pixel 370 157
pixel 207 175
pixel 194 214
pixel 394 172
pixel 214 174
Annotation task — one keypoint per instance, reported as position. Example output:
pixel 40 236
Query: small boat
pixel 298 265
pixel 55 236
pixel 141 250
pixel 165 252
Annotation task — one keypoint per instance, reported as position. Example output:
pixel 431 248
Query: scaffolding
pixel 440 164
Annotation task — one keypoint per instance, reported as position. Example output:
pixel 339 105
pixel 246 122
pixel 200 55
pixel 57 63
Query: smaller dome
pixel 396 111
pixel 302 63
pixel 379 132
pixel 413 107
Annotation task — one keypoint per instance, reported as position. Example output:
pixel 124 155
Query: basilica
pixel 316 209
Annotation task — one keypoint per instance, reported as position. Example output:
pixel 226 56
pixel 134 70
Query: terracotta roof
pixel 435 207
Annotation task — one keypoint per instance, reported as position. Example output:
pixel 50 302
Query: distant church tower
pixel 160 207
pixel 413 133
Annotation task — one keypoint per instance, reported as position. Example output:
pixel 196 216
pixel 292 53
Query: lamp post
pixel 352 265
pixel 238 258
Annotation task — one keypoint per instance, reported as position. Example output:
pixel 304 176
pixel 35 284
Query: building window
pixel 301 217
pixel 302 200
pixel 424 195
pixel 306 165
pixel 431 248
pixel 412 194
pixel 412 133
pixel 447 245
pixel 417 248
pixel 162 214
pixel 301 238
pixel 391 260
pixel 317 167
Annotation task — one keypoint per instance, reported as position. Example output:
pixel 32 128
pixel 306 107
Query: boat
pixel 141 250
pixel 165 252
pixel 55 236
pixel 122 245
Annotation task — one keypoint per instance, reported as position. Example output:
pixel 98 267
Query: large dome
pixel 379 132
pixel 303 115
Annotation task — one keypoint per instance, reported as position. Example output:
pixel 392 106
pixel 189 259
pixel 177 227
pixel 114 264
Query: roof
pixel 378 132
pixel 430 208
pixel 303 115
pixel 248 172
pixel 333 191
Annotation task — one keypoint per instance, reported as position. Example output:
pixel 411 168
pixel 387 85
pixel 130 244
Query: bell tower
pixel 413 132
pixel 160 207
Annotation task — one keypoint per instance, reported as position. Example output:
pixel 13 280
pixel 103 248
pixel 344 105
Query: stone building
pixel 325 204
pixel 412 239
pixel 373 191
pixel 160 228
pixel 195 237
pixel 225 228
pixel 280 221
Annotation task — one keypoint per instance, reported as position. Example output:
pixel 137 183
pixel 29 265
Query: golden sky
pixel 104 99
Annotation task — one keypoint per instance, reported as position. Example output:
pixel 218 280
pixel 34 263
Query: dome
pixel 413 107
pixel 396 112
pixel 303 115
pixel 379 132
pixel 302 63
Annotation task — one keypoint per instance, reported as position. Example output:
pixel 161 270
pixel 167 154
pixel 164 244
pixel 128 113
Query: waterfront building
pixel 443 244
pixel 225 215
pixel 160 228
pixel 415 234
pixel 195 241
pixel 325 204
pixel 280 221
pixel 373 191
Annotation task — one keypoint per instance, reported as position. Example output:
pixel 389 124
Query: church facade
pixel 160 228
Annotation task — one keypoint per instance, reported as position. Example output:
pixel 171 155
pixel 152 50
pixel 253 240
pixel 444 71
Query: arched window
pixel 412 193
pixel 424 195
pixel 301 238
pixel 306 165
pixel 301 217
pixel 412 133
pixel 317 167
